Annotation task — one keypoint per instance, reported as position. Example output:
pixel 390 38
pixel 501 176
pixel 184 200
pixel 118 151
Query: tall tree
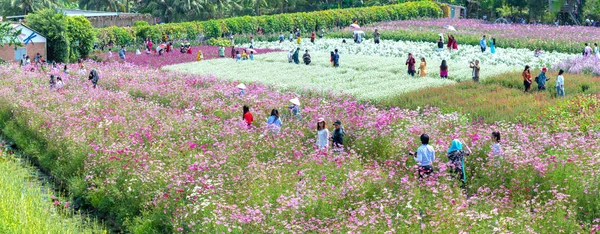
pixel 23 7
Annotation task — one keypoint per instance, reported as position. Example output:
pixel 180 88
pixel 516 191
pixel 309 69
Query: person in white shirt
pixel 560 84
pixel 322 135
pixel 424 156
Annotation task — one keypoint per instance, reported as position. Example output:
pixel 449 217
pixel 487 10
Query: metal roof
pixel 71 12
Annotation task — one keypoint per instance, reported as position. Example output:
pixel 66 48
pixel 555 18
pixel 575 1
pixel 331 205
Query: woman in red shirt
pixel 247 116
pixel 527 78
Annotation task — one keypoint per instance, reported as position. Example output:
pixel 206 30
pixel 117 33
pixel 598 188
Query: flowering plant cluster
pixel 169 152
pixel 567 39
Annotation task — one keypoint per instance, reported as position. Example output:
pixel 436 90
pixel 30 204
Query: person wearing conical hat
pixel 200 56
pixel 242 88
pixel 295 107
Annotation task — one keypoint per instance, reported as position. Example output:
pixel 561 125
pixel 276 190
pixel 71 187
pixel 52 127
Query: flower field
pixel 175 57
pixel 584 65
pixel 366 77
pixel 367 71
pixel 168 152
pixel 567 39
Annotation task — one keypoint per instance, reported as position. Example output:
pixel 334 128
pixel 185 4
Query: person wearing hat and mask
pixel 338 136
pixel 242 88
pixel 322 135
pixel 541 80
pixel 424 156
pixel 295 108
pixel 456 156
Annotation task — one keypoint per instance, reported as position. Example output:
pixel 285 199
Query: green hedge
pixel 279 23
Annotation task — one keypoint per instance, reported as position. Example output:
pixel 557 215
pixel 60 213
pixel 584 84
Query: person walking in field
pixel 247 116
pixel 296 56
pixel 221 51
pixel 338 136
pixel 496 148
pixel 527 78
pixel 306 57
pixel 587 51
pixel 456 156
pixel 312 37
pixel 444 70
pixel 560 84
pixel 424 156
pixel 122 53
pixel 281 38
pixel 493 46
pixel 274 122
pixel 336 58
pixel 596 50
pixel 476 69
pixel 94 77
pixel 454 43
pixel 423 68
pixel 541 80
pixel 376 36
pixel 233 52
pixel 322 135
pixel 410 62
pixel 483 44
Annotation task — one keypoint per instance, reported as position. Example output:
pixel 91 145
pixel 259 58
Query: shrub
pixel 82 35
pixel 53 26
pixel 286 22
pixel 219 42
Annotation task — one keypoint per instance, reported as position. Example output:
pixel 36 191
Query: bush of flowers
pixel 566 39
pixel 168 152
pixel 580 64
pixel 157 61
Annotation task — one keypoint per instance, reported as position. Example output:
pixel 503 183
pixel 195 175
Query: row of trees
pixel 188 10
pixel 530 9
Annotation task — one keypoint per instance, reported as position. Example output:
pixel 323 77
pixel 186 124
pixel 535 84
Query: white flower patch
pixel 504 60
pixel 368 78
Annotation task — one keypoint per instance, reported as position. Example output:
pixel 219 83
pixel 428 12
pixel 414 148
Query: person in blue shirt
pixel 483 44
pixel 541 80
pixel 296 56
pixel 336 58
pixel 281 38
pixel 424 156
pixel 274 122
pixel 122 52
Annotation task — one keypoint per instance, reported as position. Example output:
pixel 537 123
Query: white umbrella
pixel 241 86
pixel 251 50
pixel 295 101
pixel 354 26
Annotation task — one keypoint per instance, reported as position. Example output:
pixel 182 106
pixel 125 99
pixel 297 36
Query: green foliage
pixel 219 42
pixel 8 35
pixel 53 25
pixel 140 24
pixel 144 32
pixel 272 24
pixel 82 35
pixel 26 207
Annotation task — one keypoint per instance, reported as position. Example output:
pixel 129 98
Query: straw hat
pixel 241 86
pixel 295 101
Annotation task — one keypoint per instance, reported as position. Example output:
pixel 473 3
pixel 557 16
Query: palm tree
pixel 25 6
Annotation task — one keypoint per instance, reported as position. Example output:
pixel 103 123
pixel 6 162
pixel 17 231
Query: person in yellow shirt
pixel 200 56
pixel 244 55
pixel 423 68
